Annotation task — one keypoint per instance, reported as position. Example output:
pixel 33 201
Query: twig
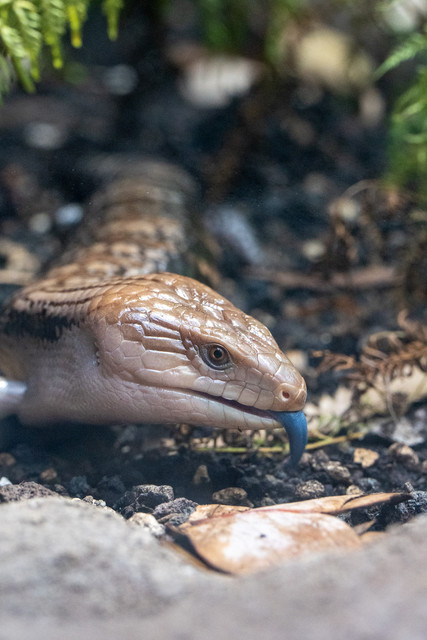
pixel 376 277
pixel 282 448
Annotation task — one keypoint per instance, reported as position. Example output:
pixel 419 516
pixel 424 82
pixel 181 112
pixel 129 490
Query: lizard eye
pixel 216 356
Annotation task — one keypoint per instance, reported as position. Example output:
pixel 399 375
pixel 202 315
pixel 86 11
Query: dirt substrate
pixel 281 213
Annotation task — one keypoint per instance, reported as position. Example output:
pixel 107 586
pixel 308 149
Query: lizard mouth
pixel 294 422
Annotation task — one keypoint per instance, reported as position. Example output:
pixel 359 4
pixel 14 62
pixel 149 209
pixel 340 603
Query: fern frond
pixel 77 13
pixel 409 49
pixel 112 9
pixel 19 40
pixel 408 138
pixel 53 25
pixel 282 11
pixel 6 75
pixel 25 25
pixel 26 20
pixel 224 23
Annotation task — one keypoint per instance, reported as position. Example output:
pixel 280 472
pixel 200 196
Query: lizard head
pixel 180 352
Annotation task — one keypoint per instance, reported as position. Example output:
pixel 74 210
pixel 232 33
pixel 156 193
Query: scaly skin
pixel 94 346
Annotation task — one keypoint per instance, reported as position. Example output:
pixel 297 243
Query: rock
pixel 319 460
pixel 48 475
pixel 337 472
pixel 148 522
pixel 365 457
pixel 201 475
pixel 23 491
pixel 174 512
pixel 110 489
pixel 404 454
pixel 7 460
pixel 68 559
pixel 310 489
pixel 232 495
pixel 84 570
pixel 144 497
pixel 79 486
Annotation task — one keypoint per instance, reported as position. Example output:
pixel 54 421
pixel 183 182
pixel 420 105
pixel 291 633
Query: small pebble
pixel 40 223
pixel 201 475
pixel 370 485
pixel 175 512
pixel 267 502
pixel 319 460
pixel 7 460
pixel 365 457
pixel 44 135
pixel 78 486
pixel 48 475
pixel 305 460
pixel 92 500
pixel 310 489
pixel 144 497
pixel 353 490
pixel 337 471
pixel 120 79
pixel 69 214
pixel 149 523
pixel 4 481
pixel 313 249
pixel 233 496
pixel 404 454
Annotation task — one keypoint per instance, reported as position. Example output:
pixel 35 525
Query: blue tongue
pixel 295 424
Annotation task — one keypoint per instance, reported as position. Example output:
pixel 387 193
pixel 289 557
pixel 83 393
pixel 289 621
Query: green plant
pixel 227 24
pixel 408 128
pixel 28 25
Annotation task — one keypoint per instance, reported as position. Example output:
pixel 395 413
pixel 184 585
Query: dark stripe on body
pixel 20 324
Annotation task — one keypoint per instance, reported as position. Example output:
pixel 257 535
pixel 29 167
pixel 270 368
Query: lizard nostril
pixel 290 397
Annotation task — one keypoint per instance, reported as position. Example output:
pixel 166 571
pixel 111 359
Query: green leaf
pixel 27 25
pixel 411 47
pixel 53 26
pixel 112 10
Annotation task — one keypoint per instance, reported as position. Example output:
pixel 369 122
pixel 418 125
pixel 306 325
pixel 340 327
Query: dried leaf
pixel 334 505
pixel 371 536
pixel 205 511
pixel 253 540
pixel 240 540
pixel 390 374
pixel 387 396
pixel 363 528
pixel 328 410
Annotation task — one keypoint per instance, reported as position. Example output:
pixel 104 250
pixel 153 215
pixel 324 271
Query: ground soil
pixel 289 168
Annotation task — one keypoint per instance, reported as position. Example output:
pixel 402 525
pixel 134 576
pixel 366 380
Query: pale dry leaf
pixel 372 536
pixel 362 528
pixel 329 409
pixel 334 505
pixel 242 540
pixel 379 398
pixel 252 540
pixel 204 511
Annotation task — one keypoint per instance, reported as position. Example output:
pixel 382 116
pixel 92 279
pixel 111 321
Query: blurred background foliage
pixel 33 32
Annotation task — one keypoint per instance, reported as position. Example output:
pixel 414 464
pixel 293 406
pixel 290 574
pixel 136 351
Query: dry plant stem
pixel 377 277
pixel 285 448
